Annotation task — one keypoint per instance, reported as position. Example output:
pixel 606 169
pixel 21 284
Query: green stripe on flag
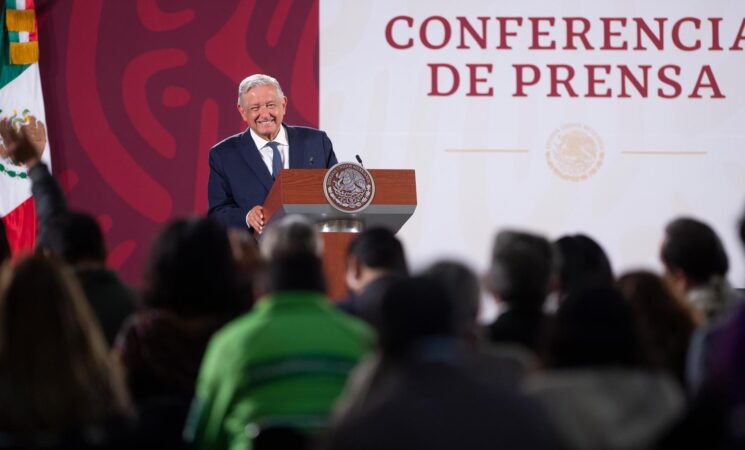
pixel 8 71
pixel 14 36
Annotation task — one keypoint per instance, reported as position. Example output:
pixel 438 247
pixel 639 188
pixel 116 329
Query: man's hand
pixel 24 146
pixel 255 218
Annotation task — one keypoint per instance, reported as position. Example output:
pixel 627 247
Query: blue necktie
pixel 276 159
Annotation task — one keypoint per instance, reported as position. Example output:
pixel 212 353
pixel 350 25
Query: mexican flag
pixel 20 96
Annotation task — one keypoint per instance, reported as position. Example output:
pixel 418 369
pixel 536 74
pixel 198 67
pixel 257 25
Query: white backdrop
pixel 484 163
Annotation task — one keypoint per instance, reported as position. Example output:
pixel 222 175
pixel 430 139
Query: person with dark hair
pixel 599 386
pixel 504 364
pixel 425 394
pixel 375 259
pixel 5 252
pixel 282 364
pixel 665 321
pixel 583 265
pixel 56 377
pixel 697 265
pixel 74 237
pixel 521 271
pixel 463 287
pixel 190 291
pixel 594 328
pixel 77 239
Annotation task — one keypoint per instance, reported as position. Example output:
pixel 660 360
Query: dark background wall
pixel 137 91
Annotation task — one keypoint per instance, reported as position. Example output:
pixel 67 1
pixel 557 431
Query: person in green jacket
pixel 281 365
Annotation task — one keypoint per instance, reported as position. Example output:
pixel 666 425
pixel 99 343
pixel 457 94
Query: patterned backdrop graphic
pixel 138 91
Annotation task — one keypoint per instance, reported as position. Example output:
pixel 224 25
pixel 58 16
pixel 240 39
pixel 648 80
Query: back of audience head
pixel 5 252
pixel 75 237
pixel 373 253
pixel 414 310
pixel 593 328
pixel 191 270
pixel 295 271
pixel 462 286
pixel 53 353
pixel 291 234
pixel 521 269
pixel 692 253
pixel 665 321
pixel 582 264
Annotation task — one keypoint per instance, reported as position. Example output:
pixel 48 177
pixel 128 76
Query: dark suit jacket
pixel 239 179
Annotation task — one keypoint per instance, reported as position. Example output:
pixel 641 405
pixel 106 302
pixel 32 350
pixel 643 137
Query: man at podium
pixel 243 167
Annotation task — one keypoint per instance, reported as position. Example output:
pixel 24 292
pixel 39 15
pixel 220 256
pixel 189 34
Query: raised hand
pixel 24 145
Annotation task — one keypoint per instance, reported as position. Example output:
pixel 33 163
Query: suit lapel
pixel 251 155
pixel 297 150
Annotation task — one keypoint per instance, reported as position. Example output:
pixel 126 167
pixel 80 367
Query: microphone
pixel 359 160
pixel 310 161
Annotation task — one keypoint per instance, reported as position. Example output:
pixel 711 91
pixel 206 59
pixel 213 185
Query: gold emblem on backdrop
pixel 574 152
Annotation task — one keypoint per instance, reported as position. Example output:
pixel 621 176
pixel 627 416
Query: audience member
pixel 190 291
pixel 697 265
pixel 282 364
pixel 665 321
pixel 583 265
pixel 715 419
pixel 375 259
pixel 463 288
pixel 424 397
pixel 291 234
pixel 505 364
pixel 599 387
pixel 521 270
pixel 57 383
pixel 75 237
pixel 4 244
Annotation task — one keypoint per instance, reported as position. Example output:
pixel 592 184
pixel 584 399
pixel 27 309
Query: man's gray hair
pixel 255 80
pixel 292 234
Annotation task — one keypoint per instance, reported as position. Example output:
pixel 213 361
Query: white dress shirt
pixel 266 151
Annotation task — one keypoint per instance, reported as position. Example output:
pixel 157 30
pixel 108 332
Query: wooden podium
pixel 301 191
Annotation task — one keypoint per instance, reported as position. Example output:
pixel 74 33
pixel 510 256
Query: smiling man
pixel 243 167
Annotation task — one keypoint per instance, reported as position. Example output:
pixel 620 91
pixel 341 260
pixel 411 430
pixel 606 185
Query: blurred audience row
pixel 232 343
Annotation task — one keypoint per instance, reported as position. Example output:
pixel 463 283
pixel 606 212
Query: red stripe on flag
pixel 34 35
pixel 20 226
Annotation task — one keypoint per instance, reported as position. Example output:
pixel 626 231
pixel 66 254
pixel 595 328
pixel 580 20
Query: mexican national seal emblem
pixel 349 187
pixel 574 152
pixel 37 134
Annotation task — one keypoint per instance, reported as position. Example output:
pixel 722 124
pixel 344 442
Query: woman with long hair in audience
pixel 57 380
pixel 664 320
pixel 191 289
pixel 599 387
